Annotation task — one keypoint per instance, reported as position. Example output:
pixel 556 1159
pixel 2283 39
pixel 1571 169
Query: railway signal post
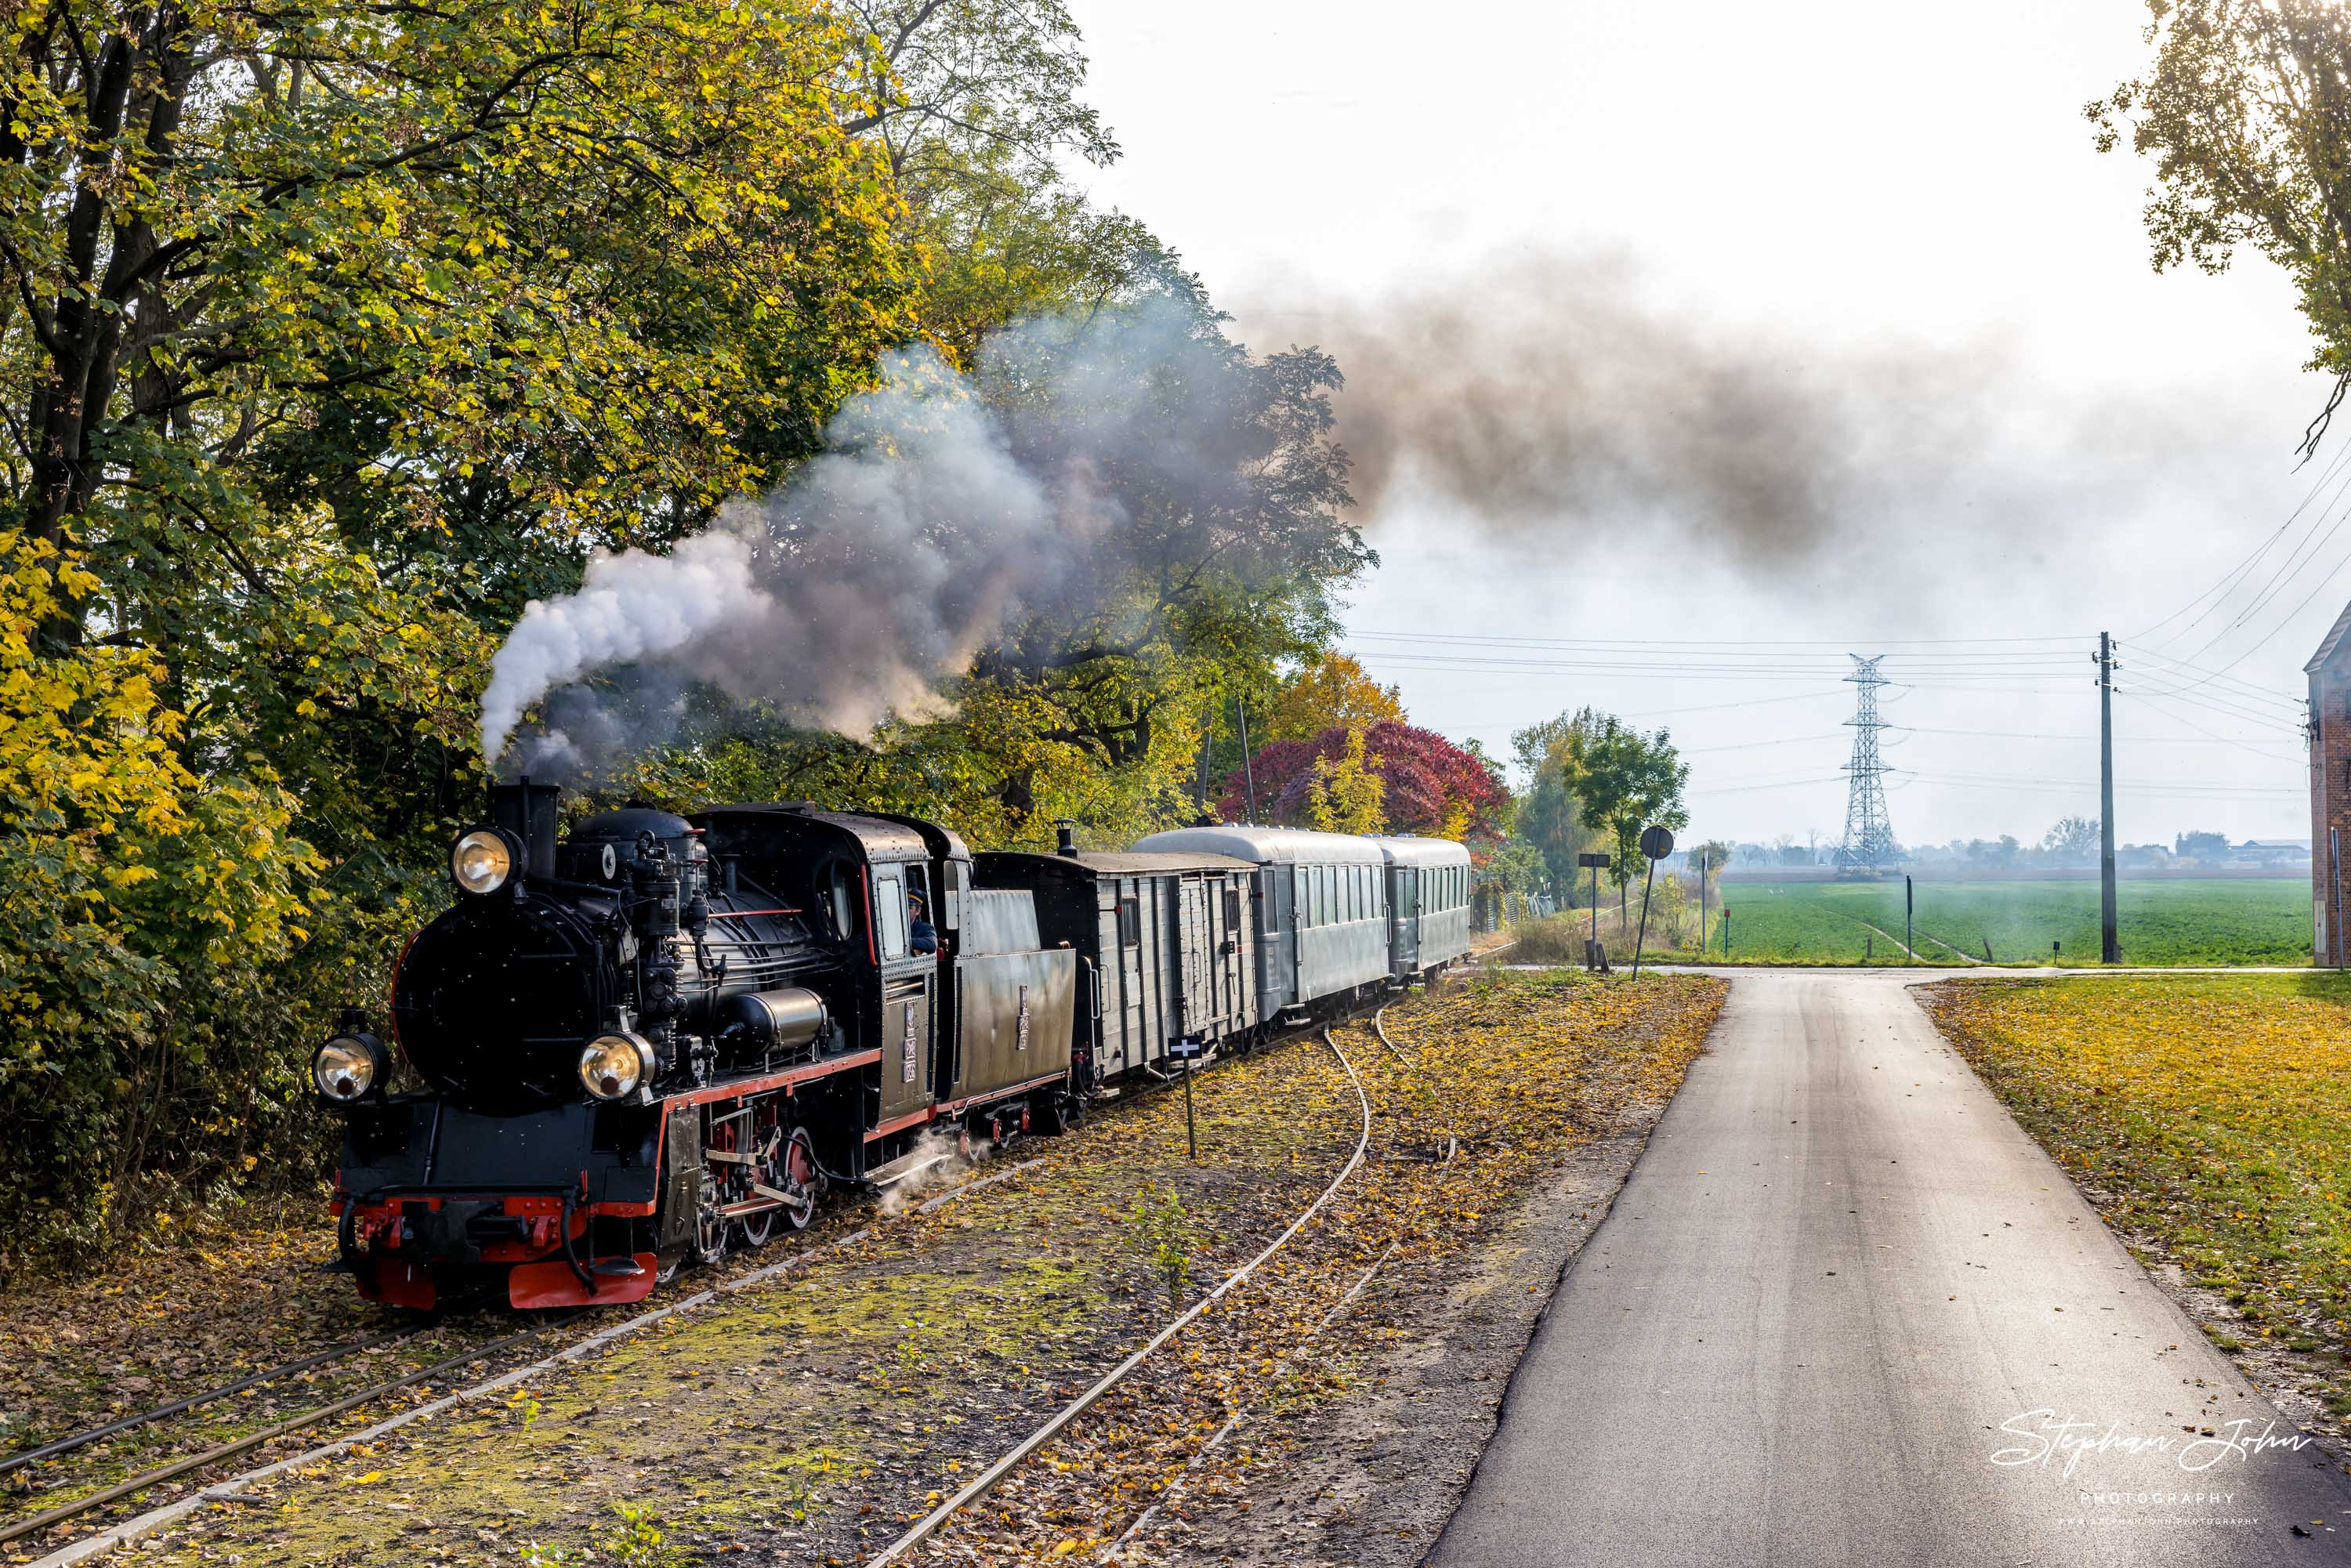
pixel 1594 958
pixel 1185 1048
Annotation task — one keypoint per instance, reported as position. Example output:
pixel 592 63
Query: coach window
pixel 890 915
pixel 1130 923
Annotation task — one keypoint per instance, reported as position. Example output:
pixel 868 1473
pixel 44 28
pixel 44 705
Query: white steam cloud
pixel 631 607
pixel 930 522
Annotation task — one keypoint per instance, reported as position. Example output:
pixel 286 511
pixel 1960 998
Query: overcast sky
pixel 1595 265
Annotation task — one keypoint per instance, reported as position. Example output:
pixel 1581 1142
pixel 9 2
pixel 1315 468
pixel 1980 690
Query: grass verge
pixel 2208 1119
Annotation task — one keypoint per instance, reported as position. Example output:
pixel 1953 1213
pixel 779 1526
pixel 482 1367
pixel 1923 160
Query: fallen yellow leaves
pixel 2208 1119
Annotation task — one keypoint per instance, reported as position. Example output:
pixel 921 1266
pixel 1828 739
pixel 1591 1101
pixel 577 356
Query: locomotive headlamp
pixel 350 1065
pixel 482 860
pixel 614 1064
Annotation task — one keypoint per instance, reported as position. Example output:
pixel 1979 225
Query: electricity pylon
pixel 1868 847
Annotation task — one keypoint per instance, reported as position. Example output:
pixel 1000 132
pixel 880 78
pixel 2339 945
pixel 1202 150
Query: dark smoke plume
pixel 1555 396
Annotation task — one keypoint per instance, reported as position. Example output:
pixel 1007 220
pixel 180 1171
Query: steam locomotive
pixel 660 1036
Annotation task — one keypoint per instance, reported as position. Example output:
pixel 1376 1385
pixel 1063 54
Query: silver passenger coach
pixel 1323 913
pixel 1428 895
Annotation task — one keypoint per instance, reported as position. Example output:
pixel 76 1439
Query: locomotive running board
pixel 905 1166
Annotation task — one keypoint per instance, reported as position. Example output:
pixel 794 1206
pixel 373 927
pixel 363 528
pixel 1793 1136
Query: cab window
pixel 890 915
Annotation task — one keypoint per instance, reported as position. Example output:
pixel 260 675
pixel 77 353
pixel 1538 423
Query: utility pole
pixel 1249 765
pixel 1702 869
pixel 2109 944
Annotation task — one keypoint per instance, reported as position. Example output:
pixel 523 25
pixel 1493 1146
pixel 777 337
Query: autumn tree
pixel 1342 793
pixel 1333 690
pixel 328 335
pixel 2243 111
pixel 1430 786
pixel 1619 779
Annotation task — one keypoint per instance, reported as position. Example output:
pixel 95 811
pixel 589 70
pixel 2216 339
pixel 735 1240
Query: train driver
pixel 920 936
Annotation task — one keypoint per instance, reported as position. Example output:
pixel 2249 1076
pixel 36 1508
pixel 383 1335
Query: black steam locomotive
pixel 663 1036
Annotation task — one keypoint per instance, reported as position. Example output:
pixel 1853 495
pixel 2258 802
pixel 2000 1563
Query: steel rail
pixel 986 1482
pixel 156 1519
pixel 82 1440
pixel 1240 1413
pixel 229 1451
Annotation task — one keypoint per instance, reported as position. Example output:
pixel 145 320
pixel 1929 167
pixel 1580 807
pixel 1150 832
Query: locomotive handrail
pixel 924 1528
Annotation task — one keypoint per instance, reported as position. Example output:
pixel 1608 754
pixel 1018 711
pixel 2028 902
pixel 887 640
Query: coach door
pixel 1278 890
pixel 1196 963
pixel 1406 919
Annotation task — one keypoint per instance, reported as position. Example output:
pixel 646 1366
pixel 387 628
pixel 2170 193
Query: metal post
pixel 1909 910
pixel 1701 903
pixel 1647 877
pixel 1191 1135
pixel 2109 941
pixel 1249 769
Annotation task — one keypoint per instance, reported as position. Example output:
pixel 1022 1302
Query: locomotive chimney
pixel 1068 830
pixel 528 811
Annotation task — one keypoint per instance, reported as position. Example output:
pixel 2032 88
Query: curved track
pixel 116 1536
pixel 987 1480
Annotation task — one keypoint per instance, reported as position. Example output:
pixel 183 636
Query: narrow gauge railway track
pixel 988 1479
pixel 252 1440
pixel 813 1247
pixel 67 1444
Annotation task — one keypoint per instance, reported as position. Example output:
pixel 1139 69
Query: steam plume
pixel 932 519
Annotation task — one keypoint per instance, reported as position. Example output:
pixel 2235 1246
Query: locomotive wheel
pixel 709 1232
pixel 801 1178
pixel 755 1229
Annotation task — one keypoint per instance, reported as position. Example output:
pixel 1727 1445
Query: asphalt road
pixel 1844 1312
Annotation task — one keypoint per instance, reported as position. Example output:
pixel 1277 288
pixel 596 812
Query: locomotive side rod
pixel 987 1480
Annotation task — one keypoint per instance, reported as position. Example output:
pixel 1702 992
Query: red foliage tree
pixel 1429 782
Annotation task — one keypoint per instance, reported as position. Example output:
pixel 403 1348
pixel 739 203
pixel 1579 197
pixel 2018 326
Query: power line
pixel 2246 566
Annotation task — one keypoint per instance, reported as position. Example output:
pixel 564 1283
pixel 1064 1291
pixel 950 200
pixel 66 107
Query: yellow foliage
pixel 1334 691
pixel 1346 794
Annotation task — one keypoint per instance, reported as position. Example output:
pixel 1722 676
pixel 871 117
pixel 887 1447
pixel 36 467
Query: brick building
pixel 2329 671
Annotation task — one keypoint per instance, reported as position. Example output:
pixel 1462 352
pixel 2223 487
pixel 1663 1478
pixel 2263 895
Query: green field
pixel 2217 920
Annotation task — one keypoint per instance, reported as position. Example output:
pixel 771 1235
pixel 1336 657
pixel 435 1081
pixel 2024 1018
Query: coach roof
pixel 1278 846
pixel 1113 862
pixel 1402 848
